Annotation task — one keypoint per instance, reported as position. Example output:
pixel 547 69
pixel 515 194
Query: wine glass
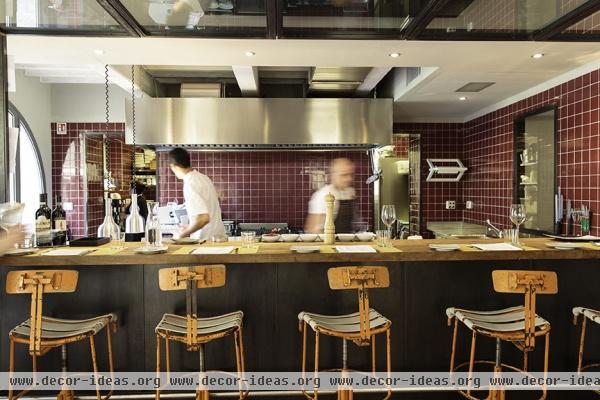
pixel 388 216
pixel 517 216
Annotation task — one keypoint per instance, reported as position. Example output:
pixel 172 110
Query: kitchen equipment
pixel 134 224
pixel 89 241
pixel 365 236
pixel 329 228
pixel 263 227
pixel 308 237
pixel 290 237
pixel 270 237
pixel 392 188
pixel 346 237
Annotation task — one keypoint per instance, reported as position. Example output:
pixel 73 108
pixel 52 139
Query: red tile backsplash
pixel 267 186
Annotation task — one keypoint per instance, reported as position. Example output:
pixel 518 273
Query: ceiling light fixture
pixel 394 55
pixel 98 52
pixel 250 54
pixel 537 55
pixel 463 98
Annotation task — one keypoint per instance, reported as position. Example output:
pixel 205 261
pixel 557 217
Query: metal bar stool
pixel 518 325
pixel 191 330
pixel 360 327
pixel 44 333
pixel 594 316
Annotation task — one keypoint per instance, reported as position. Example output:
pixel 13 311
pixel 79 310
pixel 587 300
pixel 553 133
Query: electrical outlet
pixel 469 205
pixel 450 204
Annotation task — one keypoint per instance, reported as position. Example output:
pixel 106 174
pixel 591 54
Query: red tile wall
pixel 488 150
pixel 437 140
pixel 401 144
pixel 265 186
pixel 69 172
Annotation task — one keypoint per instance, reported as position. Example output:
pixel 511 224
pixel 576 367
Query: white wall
pixel 33 100
pixel 85 103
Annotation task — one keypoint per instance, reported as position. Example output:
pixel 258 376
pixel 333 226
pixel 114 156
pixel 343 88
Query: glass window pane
pixel 57 15
pixel 587 26
pixel 200 17
pixel 499 17
pixel 346 16
pixel 30 176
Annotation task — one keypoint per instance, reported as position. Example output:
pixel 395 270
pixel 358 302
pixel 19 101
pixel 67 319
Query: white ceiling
pixel 509 64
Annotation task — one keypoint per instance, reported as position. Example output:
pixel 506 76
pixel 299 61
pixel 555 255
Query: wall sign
pixel 61 128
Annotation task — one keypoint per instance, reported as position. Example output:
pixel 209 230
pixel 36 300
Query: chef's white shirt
pixel 201 198
pixel 317 201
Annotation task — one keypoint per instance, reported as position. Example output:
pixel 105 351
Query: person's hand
pixel 183 233
pixel 13 236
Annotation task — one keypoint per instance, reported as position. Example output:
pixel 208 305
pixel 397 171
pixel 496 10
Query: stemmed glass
pixel 517 216
pixel 388 216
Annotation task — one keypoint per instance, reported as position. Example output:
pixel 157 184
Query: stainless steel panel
pixel 181 121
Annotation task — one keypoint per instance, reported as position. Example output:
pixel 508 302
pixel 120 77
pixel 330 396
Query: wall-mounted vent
pixel 473 87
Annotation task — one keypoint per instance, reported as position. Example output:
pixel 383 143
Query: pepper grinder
pixel 329 229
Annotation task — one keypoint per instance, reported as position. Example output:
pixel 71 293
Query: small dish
pixel 20 252
pixel 365 236
pixel 444 247
pixel 270 238
pixel 564 245
pixel 308 237
pixel 186 240
pixel 151 250
pixel 346 237
pixel 305 249
pixel 289 237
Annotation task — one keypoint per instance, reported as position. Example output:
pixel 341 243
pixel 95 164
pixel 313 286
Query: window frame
pixel 18 120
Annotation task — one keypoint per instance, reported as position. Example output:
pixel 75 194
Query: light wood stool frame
pixel 529 283
pixel 36 283
pixel 580 365
pixel 362 279
pixel 190 279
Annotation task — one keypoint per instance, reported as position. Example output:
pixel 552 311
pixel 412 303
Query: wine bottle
pixel 59 223
pixel 43 223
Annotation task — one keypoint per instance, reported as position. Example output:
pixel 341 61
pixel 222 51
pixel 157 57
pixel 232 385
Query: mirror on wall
pixel 534 181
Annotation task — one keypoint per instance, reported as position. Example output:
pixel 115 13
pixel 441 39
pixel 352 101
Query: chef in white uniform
pixel 341 175
pixel 201 199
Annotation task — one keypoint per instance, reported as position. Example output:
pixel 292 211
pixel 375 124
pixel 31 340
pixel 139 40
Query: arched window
pixel 27 180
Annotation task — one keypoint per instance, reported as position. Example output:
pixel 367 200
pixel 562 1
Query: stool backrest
pixel 530 283
pixel 190 279
pixel 36 283
pixel 361 278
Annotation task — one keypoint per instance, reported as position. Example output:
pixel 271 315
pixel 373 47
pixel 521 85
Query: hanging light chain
pixel 133 127
pixel 107 174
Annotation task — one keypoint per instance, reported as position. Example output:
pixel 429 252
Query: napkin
pixel 355 249
pixel 496 247
pixel 68 252
pixel 214 250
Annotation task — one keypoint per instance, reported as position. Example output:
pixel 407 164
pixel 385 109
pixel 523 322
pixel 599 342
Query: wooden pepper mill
pixel 329 229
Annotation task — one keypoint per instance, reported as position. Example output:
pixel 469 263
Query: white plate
pixel 19 252
pixel 564 245
pixel 151 250
pixel 270 238
pixel 305 249
pixel 444 247
pixel 186 240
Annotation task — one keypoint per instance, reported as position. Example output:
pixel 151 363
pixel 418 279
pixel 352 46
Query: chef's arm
pixel 197 222
pixel 315 223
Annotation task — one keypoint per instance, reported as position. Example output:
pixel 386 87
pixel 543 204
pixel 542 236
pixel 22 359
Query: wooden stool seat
pixel 56 328
pixel 176 325
pixel 343 324
pixel 590 313
pixel 505 320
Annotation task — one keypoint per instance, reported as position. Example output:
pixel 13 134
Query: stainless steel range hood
pixel 261 123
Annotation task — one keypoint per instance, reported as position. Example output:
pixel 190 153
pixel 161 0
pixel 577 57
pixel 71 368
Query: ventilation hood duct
pixel 240 123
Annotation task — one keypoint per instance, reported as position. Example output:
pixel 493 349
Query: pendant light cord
pixel 133 128
pixel 107 174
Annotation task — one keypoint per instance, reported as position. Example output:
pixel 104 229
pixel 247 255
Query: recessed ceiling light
pixel 537 55
pixel 394 55
pixel 462 98
pixel 250 53
pixel 98 52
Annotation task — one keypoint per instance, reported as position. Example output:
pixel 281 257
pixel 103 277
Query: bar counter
pixel 272 286
pixel 410 251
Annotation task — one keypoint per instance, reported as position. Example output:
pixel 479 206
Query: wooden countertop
pixel 411 251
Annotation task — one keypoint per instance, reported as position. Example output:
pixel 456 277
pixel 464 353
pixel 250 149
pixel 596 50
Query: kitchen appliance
pixel 263 227
pixel 392 188
pixel 251 123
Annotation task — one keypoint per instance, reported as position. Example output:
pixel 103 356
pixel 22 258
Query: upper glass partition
pixel 324 17
pixel 587 26
pixel 510 17
pixel 200 17
pixel 56 16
